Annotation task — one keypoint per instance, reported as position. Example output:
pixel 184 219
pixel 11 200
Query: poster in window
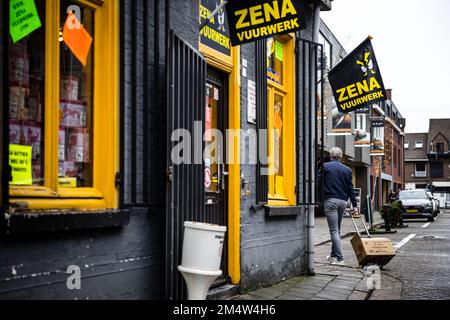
pixel 377 137
pixel 341 123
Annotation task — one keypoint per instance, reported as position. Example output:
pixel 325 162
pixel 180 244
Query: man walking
pixel 338 188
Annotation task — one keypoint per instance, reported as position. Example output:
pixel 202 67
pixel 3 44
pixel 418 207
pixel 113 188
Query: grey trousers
pixel 334 210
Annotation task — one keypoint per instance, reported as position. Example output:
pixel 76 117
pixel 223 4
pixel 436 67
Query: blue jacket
pixel 338 182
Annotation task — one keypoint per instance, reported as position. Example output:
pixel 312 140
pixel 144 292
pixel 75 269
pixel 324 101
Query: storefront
pixel 91 137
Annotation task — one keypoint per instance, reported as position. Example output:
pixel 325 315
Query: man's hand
pixel 354 212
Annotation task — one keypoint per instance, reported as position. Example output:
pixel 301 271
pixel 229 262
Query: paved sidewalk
pixel 330 282
pixel 322 233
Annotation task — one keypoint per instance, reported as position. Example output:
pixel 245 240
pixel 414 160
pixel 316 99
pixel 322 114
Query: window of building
pixel 421 170
pixel 327 52
pixel 281 123
pixel 437 170
pixel 439 147
pixel 361 122
pixel 406 145
pixel 419 144
pixel 395 156
pixel 63 112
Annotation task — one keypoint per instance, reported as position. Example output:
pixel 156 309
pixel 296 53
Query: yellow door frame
pixel 231 65
pixel 103 194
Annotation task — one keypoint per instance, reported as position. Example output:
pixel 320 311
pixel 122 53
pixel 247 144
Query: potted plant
pixel 392 215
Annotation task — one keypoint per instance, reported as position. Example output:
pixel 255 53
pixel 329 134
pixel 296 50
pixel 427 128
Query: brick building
pixel 392 174
pixel 427 163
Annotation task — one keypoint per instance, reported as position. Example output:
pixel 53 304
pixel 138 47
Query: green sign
pixel 24 18
pixel 20 163
pixel 278 50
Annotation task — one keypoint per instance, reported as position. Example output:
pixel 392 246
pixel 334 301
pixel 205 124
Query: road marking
pixel 426 225
pixel 404 241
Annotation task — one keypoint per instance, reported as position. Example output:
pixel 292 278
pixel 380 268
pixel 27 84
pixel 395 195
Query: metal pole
pixel 312 141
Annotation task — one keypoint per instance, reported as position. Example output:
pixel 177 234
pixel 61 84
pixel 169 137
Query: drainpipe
pixel 313 119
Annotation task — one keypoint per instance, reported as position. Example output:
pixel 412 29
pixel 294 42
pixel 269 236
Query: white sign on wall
pixel 251 101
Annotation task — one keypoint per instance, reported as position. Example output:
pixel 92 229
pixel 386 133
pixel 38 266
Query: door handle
pixel 224 175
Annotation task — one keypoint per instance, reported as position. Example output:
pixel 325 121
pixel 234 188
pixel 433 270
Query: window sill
pixel 42 192
pixel 278 211
pixel 58 204
pixel 37 221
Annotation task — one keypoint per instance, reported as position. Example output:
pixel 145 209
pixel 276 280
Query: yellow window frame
pixel 287 91
pixel 103 194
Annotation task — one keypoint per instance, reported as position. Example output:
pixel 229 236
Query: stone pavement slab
pixel 330 283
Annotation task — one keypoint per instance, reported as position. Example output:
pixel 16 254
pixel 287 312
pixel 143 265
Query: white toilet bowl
pixel 198 281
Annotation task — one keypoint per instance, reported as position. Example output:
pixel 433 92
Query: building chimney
pixel 389 94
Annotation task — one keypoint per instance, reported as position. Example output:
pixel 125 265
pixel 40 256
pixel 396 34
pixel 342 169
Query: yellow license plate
pixel 412 211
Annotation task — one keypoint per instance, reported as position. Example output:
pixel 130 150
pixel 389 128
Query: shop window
pixel 327 52
pixel 281 121
pixel 275 57
pixel 27 107
pixel 76 110
pixel 63 112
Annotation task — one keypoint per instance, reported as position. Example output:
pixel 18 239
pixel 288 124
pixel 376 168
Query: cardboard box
pixel 73 114
pixel 17 134
pixel 69 87
pixel 20 69
pixel 17 98
pixel 78 146
pixel 373 250
pixel 62 145
pixel 34 139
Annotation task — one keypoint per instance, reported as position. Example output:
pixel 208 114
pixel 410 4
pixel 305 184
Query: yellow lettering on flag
pixel 288 7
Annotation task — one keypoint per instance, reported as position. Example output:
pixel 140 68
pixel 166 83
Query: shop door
pixel 216 170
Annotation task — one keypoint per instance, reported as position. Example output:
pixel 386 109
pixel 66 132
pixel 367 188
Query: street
pixel 421 268
pixel 423 263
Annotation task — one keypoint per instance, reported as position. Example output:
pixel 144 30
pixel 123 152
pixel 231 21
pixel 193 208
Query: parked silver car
pixel 436 204
pixel 417 204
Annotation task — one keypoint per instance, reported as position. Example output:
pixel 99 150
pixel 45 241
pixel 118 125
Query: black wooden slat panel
pixel 4 103
pixel 185 196
pixel 262 182
pixel 309 102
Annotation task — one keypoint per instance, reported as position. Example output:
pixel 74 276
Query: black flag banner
pixel 252 20
pixel 356 80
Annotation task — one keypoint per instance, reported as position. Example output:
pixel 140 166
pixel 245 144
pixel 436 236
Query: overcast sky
pixel 412 45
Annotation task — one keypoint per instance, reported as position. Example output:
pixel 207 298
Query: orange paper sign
pixel 77 39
